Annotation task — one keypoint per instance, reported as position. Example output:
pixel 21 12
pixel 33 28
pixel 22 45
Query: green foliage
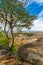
pixel 12 12
pixel 28 34
pixel 4 42
pixel 3 39
pixel 18 11
pixel 14 49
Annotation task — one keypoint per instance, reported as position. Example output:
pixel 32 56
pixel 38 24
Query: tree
pixel 14 17
pixel 25 2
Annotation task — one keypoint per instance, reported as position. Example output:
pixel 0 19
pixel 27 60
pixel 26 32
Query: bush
pixel 3 39
pixel 28 34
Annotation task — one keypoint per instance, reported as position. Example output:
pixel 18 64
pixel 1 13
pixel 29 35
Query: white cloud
pixel 39 1
pixel 38 25
pixel 40 14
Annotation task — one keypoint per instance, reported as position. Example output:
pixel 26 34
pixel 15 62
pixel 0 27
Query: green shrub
pixel 14 49
pixel 28 34
pixel 3 39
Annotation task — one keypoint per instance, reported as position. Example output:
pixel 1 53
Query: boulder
pixel 7 58
pixel 32 52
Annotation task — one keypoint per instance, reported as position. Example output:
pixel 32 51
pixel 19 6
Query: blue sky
pixel 36 7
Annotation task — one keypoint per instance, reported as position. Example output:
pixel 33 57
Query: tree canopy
pixel 14 17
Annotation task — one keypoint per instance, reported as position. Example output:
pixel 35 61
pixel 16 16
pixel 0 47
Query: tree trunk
pixel 11 41
pixel 5 30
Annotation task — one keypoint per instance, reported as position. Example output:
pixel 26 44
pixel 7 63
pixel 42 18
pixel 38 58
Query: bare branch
pixel 25 25
pixel 14 23
pixel 6 33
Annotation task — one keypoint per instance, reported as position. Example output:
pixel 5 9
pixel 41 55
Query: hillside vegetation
pixel 28 48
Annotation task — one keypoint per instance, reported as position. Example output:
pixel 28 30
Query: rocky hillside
pixel 7 58
pixel 32 52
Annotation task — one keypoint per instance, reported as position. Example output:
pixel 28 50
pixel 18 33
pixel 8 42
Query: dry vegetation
pixel 33 52
pixel 22 39
pixel 30 50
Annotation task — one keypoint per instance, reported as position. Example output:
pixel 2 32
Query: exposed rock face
pixel 32 52
pixel 6 57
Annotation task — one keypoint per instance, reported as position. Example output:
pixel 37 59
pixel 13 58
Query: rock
pixel 10 61
pixel 31 52
pixel 25 63
pixel 6 57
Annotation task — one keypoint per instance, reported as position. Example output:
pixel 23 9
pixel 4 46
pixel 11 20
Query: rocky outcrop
pixel 7 58
pixel 32 53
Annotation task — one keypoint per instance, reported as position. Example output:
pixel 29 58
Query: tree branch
pixel 25 25
pixel 14 23
pixel 5 30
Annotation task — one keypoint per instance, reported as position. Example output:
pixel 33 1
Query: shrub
pixel 3 39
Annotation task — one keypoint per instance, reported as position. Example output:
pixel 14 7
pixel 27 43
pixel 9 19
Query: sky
pixel 36 7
